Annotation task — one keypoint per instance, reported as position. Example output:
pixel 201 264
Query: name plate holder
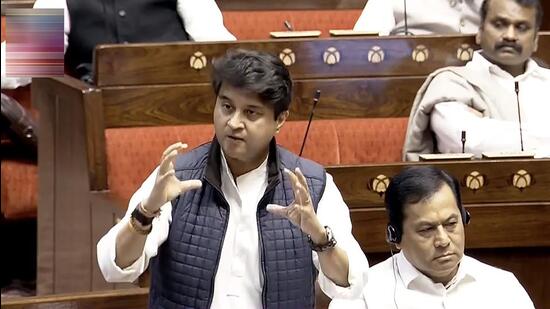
pixel 446 156
pixel 295 34
pixel 494 155
pixel 338 32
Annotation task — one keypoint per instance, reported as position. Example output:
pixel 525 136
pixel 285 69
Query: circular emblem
pixel 379 184
pixel 420 53
pixel 376 54
pixel 522 179
pixel 475 181
pixel 465 52
pixel 198 61
pixel 331 56
pixel 287 56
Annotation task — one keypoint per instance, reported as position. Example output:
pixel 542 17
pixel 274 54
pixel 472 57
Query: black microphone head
pixel 316 97
pixel 288 25
pixel 463 135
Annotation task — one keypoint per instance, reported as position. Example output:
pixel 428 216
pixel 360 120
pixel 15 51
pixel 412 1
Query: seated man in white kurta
pixel 426 222
pixel 487 97
pixel 423 17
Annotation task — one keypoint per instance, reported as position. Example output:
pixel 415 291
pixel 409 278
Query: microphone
pixel 405 18
pixel 315 101
pixel 512 154
pixel 288 25
pixel 519 115
pixel 463 140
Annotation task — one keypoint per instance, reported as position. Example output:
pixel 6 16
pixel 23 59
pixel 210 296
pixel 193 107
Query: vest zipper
pixel 211 296
pixel 271 187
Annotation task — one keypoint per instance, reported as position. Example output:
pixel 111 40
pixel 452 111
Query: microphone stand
pixel 519 116
pixel 315 101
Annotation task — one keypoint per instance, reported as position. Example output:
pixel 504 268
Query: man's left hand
pixel 300 212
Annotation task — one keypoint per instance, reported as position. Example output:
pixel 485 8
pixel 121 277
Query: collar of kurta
pixel 214 165
pixel 532 68
pixel 412 278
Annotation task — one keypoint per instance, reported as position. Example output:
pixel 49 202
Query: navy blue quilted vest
pixel 183 272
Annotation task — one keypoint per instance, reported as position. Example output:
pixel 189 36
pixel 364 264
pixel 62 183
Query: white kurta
pixel 238 282
pixel 423 16
pixel 396 283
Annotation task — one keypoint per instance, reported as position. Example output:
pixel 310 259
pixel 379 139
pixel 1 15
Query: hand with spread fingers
pixel 167 186
pixel 301 212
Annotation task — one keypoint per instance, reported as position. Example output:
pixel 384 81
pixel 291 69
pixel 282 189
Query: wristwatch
pixel 140 217
pixel 331 242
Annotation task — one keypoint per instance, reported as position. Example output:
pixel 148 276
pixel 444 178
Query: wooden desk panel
pixel 492 226
pixel 132 106
pixel 136 298
pixel 141 64
pixel 151 64
pixel 354 181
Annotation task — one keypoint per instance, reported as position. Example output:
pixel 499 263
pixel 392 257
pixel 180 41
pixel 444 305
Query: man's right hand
pixel 167 186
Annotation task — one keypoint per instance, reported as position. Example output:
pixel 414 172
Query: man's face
pixel 433 235
pixel 244 127
pixel 509 35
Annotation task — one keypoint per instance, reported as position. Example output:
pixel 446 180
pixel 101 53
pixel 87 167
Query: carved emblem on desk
pixel 331 56
pixel 379 184
pixel 287 56
pixel 474 181
pixel 376 54
pixel 420 53
pixel 522 179
pixel 465 52
pixel 198 61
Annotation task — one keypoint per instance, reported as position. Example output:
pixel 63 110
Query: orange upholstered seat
pixel 133 153
pixel 19 189
pixel 256 25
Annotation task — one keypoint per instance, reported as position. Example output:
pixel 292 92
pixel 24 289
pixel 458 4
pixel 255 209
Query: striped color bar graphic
pixel 34 42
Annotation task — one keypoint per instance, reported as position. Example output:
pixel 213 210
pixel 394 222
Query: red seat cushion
pixel 256 25
pixel 372 140
pixel 19 189
pixel 133 153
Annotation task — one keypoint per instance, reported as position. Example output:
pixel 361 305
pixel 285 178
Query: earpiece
pixel 392 236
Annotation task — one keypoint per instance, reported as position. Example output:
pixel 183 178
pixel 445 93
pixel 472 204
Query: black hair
pixel 413 185
pixel 525 3
pixel 257 72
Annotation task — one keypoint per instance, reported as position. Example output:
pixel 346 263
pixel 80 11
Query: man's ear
pixel 478 36
pixel 281 120
pixel 536 46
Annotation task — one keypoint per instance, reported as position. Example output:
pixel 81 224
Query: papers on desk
pixel 352 33
pixel 508 155
pixel 295 34
pixel 445 156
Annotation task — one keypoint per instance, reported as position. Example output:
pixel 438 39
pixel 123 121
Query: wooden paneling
pixel 354 181
pixel 193 104
pixel 490 226
pixel 120 299
pixel 138 64
pixel 64 247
